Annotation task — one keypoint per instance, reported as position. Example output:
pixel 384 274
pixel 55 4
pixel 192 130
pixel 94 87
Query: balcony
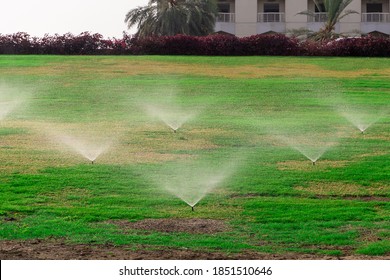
pixel 226 22
pixel 226 17
pixel 271 22
pixel 271 17
pixel 376 17
pixel 372 22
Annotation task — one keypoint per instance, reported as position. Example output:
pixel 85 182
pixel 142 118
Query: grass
pixel 275 201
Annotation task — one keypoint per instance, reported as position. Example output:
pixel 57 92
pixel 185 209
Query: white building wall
pixel 246 17
pixel 293 20
pixel 351 23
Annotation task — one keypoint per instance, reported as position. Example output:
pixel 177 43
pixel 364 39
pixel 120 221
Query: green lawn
pixel 255 118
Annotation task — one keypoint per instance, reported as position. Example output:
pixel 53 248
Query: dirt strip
pixel 53 249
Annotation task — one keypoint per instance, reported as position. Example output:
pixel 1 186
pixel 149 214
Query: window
pixel 271 12
pixel 224 7
pixel 271 7
pixel 225 13
pixel 374 7
pixel 320 13
pixel 320 8
pixel 374 11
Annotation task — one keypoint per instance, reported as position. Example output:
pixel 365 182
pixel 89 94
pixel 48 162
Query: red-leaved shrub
pixel 269 44
pixel 222 45
pixel 365 46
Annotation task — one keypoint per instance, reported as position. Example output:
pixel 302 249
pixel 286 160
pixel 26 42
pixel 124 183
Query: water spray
pixel 173 116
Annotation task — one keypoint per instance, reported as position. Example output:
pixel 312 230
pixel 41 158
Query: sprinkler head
pixel 192 208
pixel 313 162
pixel 92 162
pixel 174 131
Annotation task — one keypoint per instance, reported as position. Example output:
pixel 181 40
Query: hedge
pixel 222 45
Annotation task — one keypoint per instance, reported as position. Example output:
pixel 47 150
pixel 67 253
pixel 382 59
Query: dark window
pixel 320 8
pixel 271 12
pixel 224 7
pixel 271 7
pixel 374 7
pixel 374 11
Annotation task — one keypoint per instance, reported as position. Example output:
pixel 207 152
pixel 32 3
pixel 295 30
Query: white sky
pixel 38 17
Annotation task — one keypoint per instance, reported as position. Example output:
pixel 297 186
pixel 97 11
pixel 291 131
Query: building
pixel 249 17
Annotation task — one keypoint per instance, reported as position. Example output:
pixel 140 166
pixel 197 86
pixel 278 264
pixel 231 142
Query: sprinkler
pixel 192 208
pixel 313 162
pixel 174 131
pixel 92 162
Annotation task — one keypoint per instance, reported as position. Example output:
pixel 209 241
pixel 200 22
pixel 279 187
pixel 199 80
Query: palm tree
pixel 334 10
pixel 171 17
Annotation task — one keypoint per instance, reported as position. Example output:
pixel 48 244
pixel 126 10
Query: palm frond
pixel 335 11
pixel 307 13
pixel 318 5
pixel 170 17
pixel 348 12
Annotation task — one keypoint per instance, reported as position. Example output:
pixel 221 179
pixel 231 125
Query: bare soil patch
pixel 246 195
pixel 197 226
pixel 346 197
pixel 53 249
pixel 308 166
pixel 347 191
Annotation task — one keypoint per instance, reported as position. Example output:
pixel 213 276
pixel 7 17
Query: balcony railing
pixel 375 17
pixel 271 17
pixel 226 17
pixel 318 17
